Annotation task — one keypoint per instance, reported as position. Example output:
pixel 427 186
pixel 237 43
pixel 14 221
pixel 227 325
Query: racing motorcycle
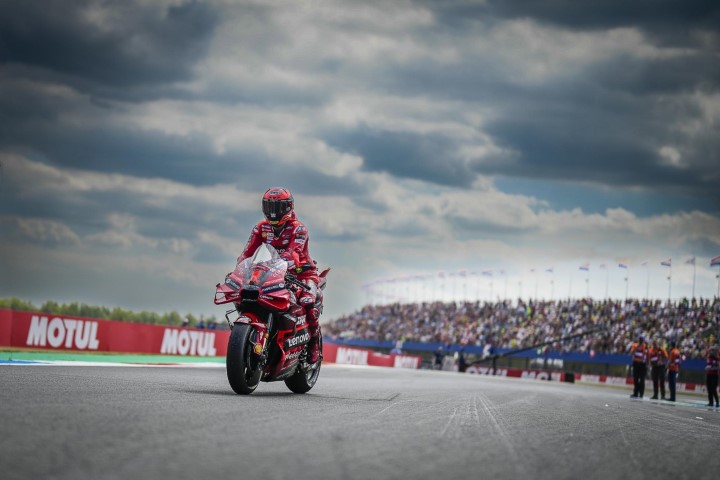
pixel 269 333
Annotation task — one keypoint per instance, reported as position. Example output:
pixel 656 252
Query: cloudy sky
pixel 137 138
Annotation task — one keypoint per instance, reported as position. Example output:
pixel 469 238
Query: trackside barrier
pixel 334 353
pixel 61 332
pixel 517 373
pixel 44 331
pixel 608 380
pixel 565 377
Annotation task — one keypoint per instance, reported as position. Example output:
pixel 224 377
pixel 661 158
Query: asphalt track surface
pixel 77 422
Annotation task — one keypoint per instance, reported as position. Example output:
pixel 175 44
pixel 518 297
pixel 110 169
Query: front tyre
pixel 305 377
pixel 243 369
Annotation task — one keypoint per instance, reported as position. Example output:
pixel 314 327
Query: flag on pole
pixel 585 267
pixel 644 264
pixel 550 270
pixel 666 263
pixel 715 261
pixel 602 265
pixel 487 273
pixel 690 261
pixel 622 265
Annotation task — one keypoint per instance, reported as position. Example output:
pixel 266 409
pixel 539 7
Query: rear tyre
pixel 303 380
pixel 243 369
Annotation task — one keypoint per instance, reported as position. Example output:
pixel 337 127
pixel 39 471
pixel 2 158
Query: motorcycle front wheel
pixel 243 369
pixel 303 380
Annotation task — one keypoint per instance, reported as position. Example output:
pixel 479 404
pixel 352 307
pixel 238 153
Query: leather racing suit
pixel 291 241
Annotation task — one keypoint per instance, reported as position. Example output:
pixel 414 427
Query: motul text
pixel 59 332
pixel 188 342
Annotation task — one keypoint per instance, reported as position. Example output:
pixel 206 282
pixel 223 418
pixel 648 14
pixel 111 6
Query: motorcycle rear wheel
pixel 302 381
pixel 243 369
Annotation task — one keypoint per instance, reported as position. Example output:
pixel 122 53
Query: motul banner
pixel 62 332
pixel 333 353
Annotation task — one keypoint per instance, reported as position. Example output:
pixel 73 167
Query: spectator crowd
pixel 693 324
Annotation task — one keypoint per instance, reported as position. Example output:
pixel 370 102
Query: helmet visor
pixel 275 209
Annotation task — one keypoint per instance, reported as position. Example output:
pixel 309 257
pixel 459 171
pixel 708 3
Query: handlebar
pixel 289 278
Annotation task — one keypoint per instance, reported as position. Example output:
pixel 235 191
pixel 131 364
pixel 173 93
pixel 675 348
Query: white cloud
pixel 43 230
pixel 540 53
pixel 671 157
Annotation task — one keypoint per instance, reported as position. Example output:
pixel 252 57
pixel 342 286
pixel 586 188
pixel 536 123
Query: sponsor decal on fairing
pixel 293 356
pixel 301 339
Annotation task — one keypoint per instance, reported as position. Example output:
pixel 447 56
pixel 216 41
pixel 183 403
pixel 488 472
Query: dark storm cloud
pixel 670 22
pixel 661 76
pixel 120 44
pixel 425 157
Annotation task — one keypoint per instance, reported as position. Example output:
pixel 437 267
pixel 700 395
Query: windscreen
pixel 265 258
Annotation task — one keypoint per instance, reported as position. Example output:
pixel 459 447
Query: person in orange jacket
pixel 638 352
pixel 657 356
pixel 675 357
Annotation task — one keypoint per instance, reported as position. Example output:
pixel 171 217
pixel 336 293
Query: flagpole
pixel 506 280
pixel 694 270
pixel 587 282
pixel 626 287
pixel 607 281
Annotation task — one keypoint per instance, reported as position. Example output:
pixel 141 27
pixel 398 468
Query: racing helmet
pixel 277 205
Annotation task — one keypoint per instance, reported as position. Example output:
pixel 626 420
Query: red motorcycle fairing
pixel 292 336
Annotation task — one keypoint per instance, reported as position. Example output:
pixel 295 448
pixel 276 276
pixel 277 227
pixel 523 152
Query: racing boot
pixel 313 348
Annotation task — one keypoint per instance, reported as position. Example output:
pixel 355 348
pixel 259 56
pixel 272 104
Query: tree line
pixel 76 309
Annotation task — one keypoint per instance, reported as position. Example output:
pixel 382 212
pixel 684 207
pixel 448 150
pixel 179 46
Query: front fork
pixel 259 341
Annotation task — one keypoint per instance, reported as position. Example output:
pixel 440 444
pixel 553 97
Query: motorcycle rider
pixel 290 238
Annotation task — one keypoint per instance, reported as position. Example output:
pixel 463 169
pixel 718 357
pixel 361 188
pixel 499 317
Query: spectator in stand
pixel 657 356
pixel 675 357
pixel 200 323
pixel 186 322
pixel 638 352
pixel 711 374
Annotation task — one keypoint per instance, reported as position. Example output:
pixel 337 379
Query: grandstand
pixel 693 323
